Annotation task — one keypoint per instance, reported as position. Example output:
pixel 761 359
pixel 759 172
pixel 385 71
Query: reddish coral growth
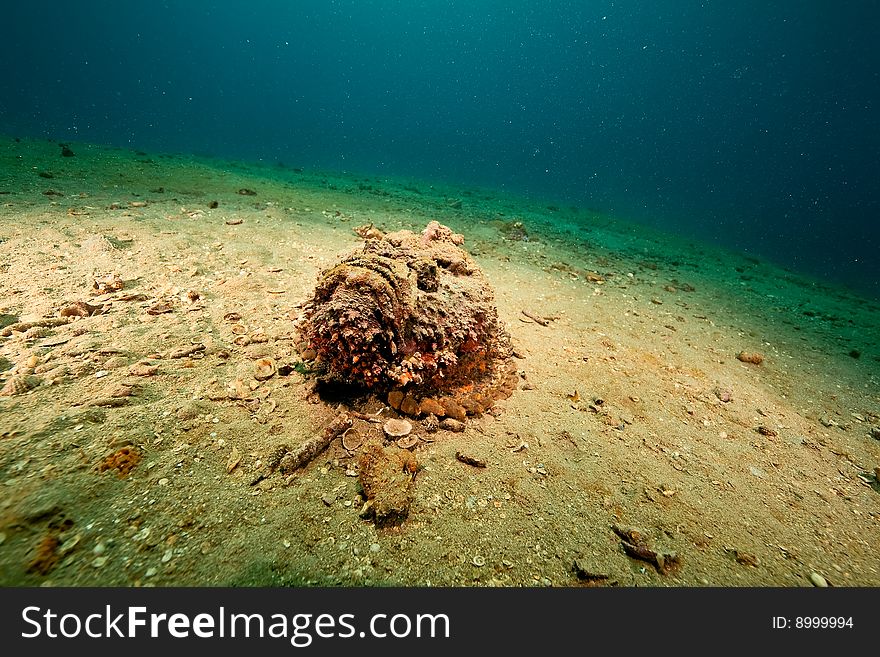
pixel 122 460
pixel 408 310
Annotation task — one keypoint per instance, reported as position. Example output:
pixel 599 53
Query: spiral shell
pixel 20 384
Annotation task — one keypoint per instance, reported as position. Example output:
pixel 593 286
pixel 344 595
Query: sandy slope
pixel 634 407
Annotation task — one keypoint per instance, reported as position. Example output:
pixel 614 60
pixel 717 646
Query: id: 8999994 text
pixel 813 622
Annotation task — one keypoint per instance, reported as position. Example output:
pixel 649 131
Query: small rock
pixel 724 395
pixel 328 499
pixel 375 547
pixel 163 481
pixel 143 368
pixel 410 406
pixel 431 406
pixel 99 562
pixel 167 556
pixel 818 581
pixel 453 409
pixel 395 398
pixel 150 572
pixel 233 461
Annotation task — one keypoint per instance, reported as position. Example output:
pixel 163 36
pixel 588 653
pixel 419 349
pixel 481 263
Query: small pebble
pixel 479 561
pixel 163 481
pixel 150 572
pixel 818 581
pixel 375 547
pixel 99 562
pixel 286 543
pixel 328 499
pixel 100 548
pixel 167 556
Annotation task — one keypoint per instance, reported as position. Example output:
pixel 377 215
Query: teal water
pixel 750 124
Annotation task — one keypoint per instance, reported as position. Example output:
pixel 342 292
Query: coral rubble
pixel 412 314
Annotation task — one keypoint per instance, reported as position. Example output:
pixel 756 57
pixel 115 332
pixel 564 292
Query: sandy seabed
pixel 130 437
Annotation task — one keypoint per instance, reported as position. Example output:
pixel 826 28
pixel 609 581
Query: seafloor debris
pixel 314 446
pixel 412 314
pixel 386 476
pixel 24 326
pixel 107 284
pixel 288 461
pixel 470 460
pixel 369 232
pixel 635 544
pixel 160 308
pixel 80 309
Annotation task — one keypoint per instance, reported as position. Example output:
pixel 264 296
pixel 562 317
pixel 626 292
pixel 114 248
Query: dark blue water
pixel 753 124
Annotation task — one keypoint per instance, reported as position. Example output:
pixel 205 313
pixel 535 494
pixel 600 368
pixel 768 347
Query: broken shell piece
pixel 397 428
pixel 264 368
pixel 408 442
pixel 352 439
